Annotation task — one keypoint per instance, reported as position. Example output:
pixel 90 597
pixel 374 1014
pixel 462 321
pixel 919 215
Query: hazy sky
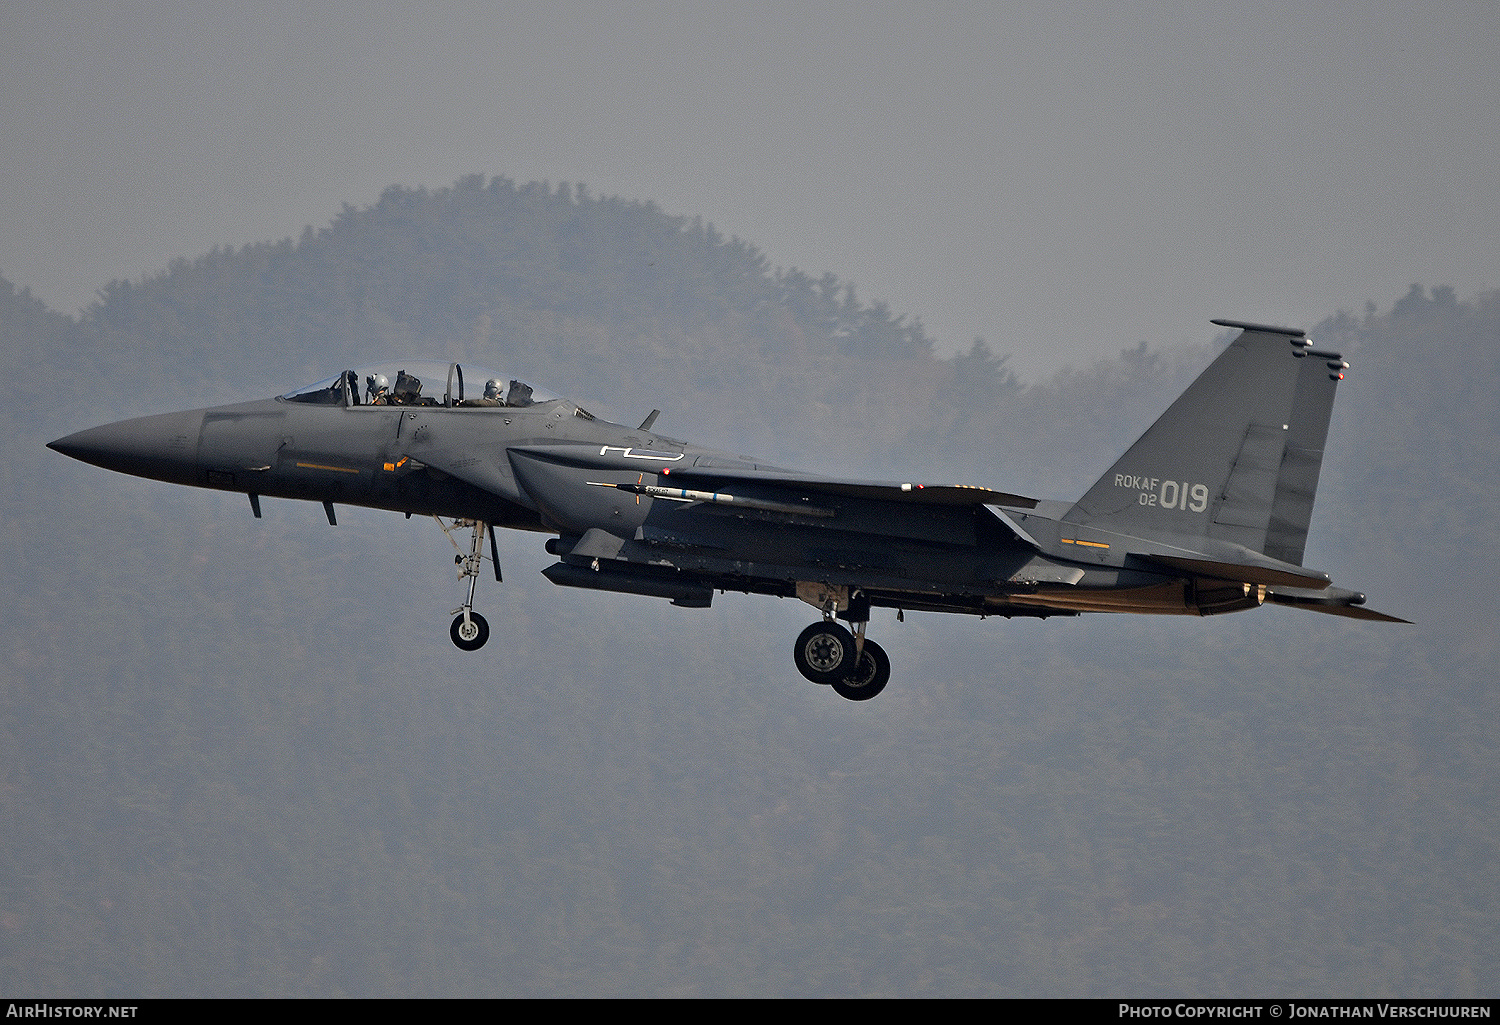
pixel 1063 179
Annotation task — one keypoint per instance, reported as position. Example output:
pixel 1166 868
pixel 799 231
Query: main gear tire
pixel 868 678
pixel 824 652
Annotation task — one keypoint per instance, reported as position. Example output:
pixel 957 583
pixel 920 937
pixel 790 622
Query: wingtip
pixel 1245 325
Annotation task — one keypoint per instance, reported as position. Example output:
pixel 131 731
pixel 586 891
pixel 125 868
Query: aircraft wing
pixel 551 476
pixel 676 470
pixel 722 478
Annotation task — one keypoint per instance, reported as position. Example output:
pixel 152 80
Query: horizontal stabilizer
pixel 1335 601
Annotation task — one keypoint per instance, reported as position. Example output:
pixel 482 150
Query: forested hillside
pixel 240 756
pixel 484 267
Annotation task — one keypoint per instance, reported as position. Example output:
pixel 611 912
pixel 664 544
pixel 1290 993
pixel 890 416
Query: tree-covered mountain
pixel 482 265
pixel 240 756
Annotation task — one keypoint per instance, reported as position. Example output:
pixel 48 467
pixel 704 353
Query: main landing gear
pixel 470 630
pixel 827 653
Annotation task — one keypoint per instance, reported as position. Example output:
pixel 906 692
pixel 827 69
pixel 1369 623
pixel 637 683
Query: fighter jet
pixel 1207 513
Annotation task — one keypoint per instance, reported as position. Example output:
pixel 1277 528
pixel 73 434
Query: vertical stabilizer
pixel 1235 458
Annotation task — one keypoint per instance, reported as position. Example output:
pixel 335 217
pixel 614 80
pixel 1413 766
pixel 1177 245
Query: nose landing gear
pixel 470 630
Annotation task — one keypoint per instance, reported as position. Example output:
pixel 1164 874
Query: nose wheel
pixel 469 630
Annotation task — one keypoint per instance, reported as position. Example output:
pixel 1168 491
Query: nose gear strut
pixel 470 630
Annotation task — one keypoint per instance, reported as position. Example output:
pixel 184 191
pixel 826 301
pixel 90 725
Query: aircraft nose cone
pixel 162 447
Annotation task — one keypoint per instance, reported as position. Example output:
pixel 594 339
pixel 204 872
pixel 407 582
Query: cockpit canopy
pixel 421 383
